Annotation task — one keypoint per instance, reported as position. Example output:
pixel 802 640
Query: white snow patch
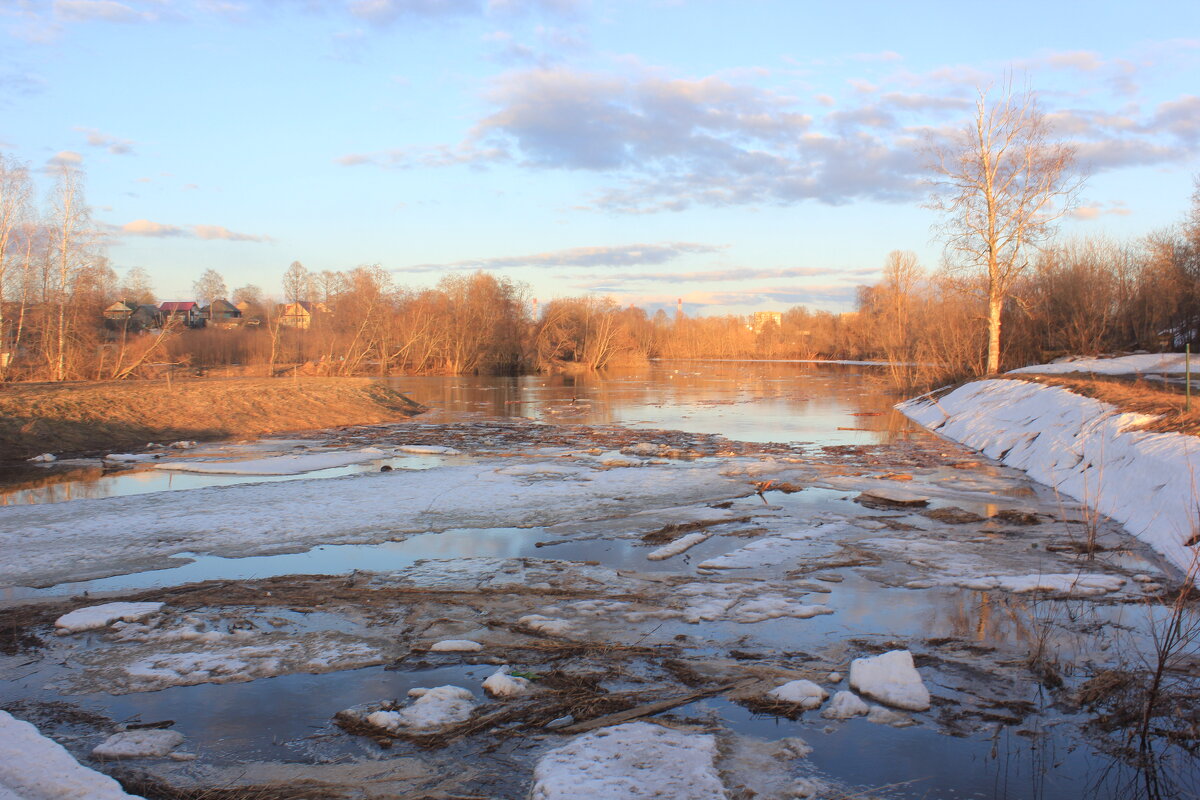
pixel 92 617
pixel 890 678
pixel 774 606
pixel 501 684
pixel 1160 363
pixel 130 458
pixel 635 760
pixel 1083 448
pixel 278 465
pixel 456 646
pixel 680 545
pixel 1077 585
pixel 44 457
pixel 844 706
pixel 138 744
pixel 805 694
pixel 433 708
pixel 429 449
pixel 33 767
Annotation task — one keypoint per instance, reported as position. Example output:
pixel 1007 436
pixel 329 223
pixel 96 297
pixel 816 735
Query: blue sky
pixel 738 155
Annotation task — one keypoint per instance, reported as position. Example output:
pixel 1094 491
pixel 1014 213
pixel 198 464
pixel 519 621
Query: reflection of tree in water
pixel 52 485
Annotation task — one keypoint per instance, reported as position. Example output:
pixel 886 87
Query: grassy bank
pixel 94 417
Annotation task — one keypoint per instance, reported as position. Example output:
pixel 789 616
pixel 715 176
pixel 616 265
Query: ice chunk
pixel 429 449
pixel 680 545
pixel 275 465
pixel 774 606
pixel 1088 585
pixel 33 767
pixel 433 708
pixel 86 619
pixel 885 716
pixel 635 760
pixel 891 679
pixel 501 684
pixel 138 744
pixel 547 625
pixel 456 646
pixel 130 458
pixel 805 694
pixel 844 706
pixel 44 457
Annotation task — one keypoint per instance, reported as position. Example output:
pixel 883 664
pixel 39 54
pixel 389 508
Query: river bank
pixel 90 418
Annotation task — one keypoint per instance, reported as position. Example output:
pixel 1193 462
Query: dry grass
pixel 1163 401
pixel 90 417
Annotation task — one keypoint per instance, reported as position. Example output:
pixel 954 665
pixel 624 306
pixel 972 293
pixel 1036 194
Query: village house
pixel 221 312
pixel 186 311
pixel 300 314
pixel 132 316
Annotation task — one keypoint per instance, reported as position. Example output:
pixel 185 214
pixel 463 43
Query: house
pixel 146 316
pixel 120 311
pixel 221 310
pixel 187 312
pixel 130 316
pixel 300 314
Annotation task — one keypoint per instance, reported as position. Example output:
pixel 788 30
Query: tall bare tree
pixel 16 190
pixel 73 241
pixel 1001 185
pixel 210 287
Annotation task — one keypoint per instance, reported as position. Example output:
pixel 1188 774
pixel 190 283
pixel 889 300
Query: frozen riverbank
pixel 1086 449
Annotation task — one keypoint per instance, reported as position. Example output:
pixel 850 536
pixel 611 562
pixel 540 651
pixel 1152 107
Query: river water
pixel 996 729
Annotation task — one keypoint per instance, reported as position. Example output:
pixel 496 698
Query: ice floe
pixel 138 744
pixel 636 759
pixel 680 545
pixel 501 684
pixel 455 646
pixel 845 705
pixel 803 693
pixel 93 617
pixel 431 709
pixel 890 678
pixel 276 465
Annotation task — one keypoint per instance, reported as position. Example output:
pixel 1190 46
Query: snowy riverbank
pixel 1085 449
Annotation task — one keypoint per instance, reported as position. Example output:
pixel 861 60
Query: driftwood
pixel 645 710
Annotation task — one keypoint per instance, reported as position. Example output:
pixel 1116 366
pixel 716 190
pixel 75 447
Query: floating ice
pixel 429 449
pixel 501 684
pixel 86 619
pixel 138 744
pixel 635 760
pixel 277 465
pixel 433 708
pixel 845 705
pixel 456 646
pixel 805 694
pixel 680 545
pixel 885 716
pixel 44 457
pixel 891 679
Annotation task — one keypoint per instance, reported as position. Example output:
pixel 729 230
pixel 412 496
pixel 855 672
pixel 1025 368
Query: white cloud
pixel 145 227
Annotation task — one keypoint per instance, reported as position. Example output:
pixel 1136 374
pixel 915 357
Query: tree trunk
pixel 995 304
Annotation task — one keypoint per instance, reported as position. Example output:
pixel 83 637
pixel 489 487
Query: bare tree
pixel 210 287
pixel 137 287
pixel 297 285
pixel 15 193
pixel 1002 183
pixel 73 238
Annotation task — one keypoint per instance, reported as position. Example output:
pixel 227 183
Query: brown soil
pixel 77 418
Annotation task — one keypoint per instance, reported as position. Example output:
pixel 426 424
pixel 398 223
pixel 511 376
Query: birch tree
pixel 1001 183
pixel 15 193
pixel 72 245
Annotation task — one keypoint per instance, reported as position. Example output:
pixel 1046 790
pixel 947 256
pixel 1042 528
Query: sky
pixel 741 156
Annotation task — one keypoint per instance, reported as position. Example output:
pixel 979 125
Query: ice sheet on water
pixel 138 744
pixel 890 678
pixel 636 759
pixel 278 465
pixel 93 617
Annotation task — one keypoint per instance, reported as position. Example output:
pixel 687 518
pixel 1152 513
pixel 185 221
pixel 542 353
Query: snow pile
pixel 680 545
pixel 456 646
pixel 432 709
pixel 1083 448
pixel 844 706
pixel 891 679
pixel 92 617
pixel 501 684
pixel 33 767
pixel 277 465
pixel 1154 363
pixel 138 744
pixel 805 694
pixel 637 759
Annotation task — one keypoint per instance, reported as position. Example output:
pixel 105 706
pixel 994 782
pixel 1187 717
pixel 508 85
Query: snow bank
pixel 890 678
pixel 1083 448
pixel 277 465
pixel 138 744
pixel 33 767
pixel 92 617
pixel 1160 363
pixel 637 759
pixel 433 708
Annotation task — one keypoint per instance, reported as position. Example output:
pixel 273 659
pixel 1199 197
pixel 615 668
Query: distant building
pixel 300 314
pixel 760 319
pixel 220 310
pixel 186 311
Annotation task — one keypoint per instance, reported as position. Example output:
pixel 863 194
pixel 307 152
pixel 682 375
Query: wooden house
pixel 300 314
pixel 187 312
